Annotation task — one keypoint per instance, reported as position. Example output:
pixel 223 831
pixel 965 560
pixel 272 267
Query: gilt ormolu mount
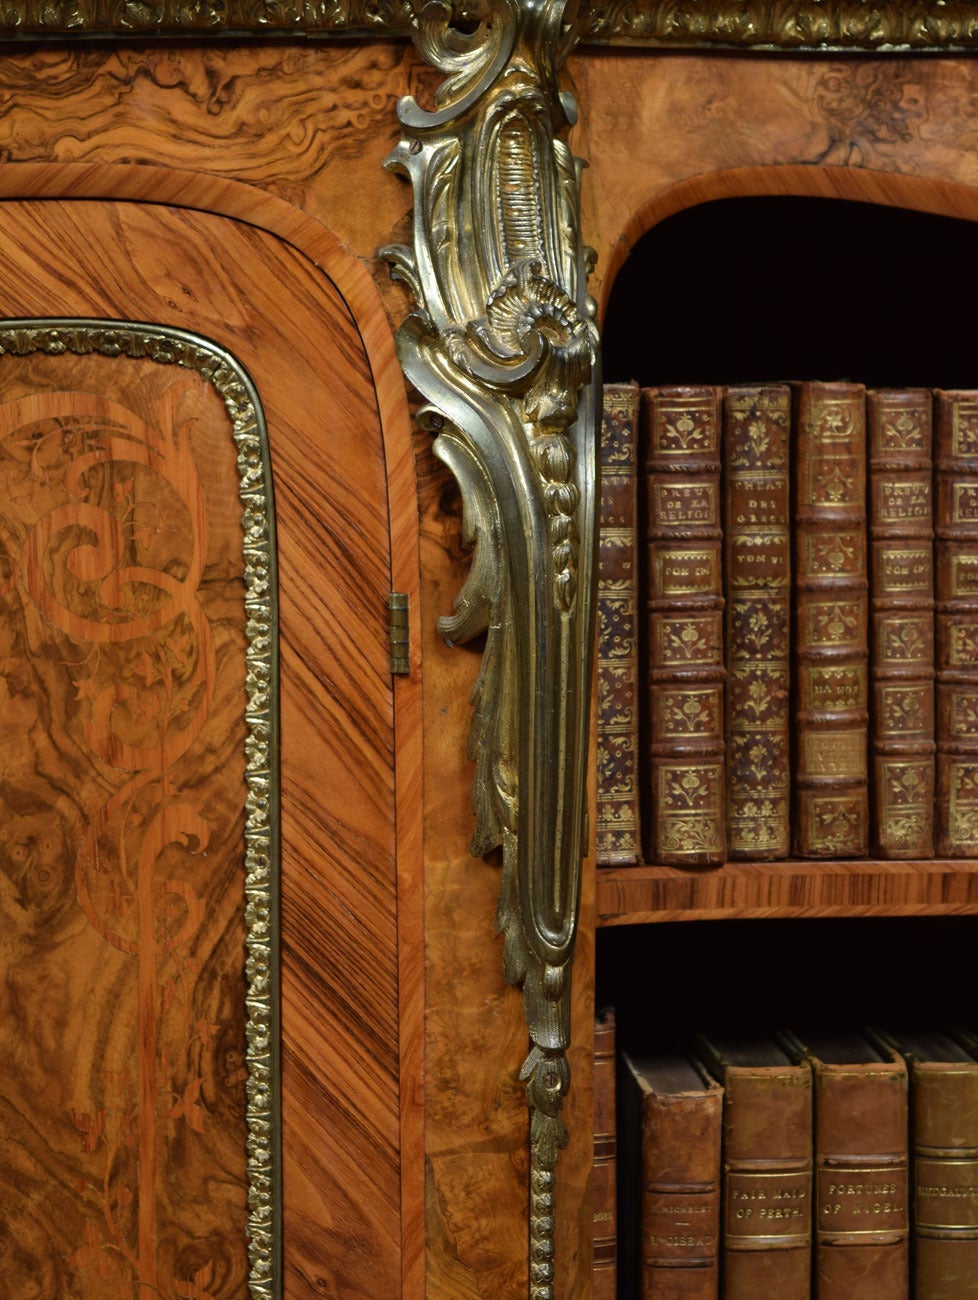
pixel 503 348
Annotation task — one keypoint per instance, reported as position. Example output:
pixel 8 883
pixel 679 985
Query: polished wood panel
pixel 121 831
pixel 307 124
pixel 281 317
pixel 781 889
pixel 661 134
pixel 475 1123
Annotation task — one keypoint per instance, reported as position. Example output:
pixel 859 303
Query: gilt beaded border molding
pixel 168 346
pixel 798 25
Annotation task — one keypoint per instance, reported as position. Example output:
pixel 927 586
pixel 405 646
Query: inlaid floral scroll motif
pixel 122 793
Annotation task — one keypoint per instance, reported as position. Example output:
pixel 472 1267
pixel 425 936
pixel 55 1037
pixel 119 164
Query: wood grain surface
pixel 282 318
pixel 121 824
pixel 782 889
pixel 292 137
pixel 307 124
pixel 661 134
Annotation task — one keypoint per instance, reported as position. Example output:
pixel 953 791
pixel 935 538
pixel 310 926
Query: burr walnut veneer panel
pixel 285 322
pixel 291 138
pixel 665 133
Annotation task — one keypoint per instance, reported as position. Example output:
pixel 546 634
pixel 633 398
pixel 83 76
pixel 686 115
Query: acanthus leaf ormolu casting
pixel 503 347
pixel 738 24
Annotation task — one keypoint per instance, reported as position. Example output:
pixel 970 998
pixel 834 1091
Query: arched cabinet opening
pixel 782 287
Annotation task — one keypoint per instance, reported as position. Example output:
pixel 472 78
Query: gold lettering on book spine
pixel 502 347
pixel 758 571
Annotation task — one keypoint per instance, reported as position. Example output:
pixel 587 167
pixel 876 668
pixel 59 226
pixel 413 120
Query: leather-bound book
pixel 604 1199
pixel 861 1181
pixel 956 652
pixel 831 603
pixel 685 639
pixel 944 1151
pixel 618 842
pixel 757 550
pixel 901 521
pixel 767 1167
pixel 673 1117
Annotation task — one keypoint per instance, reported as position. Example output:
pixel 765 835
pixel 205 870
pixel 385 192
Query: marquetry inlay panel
pixel 123 667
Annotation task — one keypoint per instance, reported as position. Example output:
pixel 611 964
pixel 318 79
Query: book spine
pixel 604 1200
pixel 861 1181
pixel 956 555
pixel 902 597
pixel 618 693
pixel 685 608
pixel 945 1157
pixel 767 1183
pixel 757 550
pixel 832 605
pixel 680 1211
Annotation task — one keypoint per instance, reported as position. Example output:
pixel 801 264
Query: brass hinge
pixel 397 604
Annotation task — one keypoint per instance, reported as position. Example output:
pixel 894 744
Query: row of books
pixel 804 578
pixel 836 1166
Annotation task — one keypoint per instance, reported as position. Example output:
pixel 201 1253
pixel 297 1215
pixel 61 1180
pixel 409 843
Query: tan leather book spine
pixel 944 1134
pixel 757 550
pixel 956 563
pixel 604 1196
pixel 679 1209
pixel 618 842
pixel 767 1179
pixel 901 520
pixel 685 609
pixel 832 605
pixel 861 1180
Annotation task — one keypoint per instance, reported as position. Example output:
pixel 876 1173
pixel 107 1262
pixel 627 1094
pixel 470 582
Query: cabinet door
pixel 124 620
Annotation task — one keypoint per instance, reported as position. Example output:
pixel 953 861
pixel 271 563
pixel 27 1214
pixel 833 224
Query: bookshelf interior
pixel 774 288
pixel 812 972
pixel 777 288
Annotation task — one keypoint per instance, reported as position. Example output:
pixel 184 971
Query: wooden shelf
pixel 752 890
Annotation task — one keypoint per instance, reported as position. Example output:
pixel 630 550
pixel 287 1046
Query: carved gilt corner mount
pixel 502 346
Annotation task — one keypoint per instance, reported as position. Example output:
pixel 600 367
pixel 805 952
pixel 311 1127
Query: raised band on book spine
pixel 685 603
pixel 767 1167
pixel 902 597
pixel 944 1150
pixel 618 693
pixel 758 618
pixel 861 1176
pixel 671 1152
pixel 956 549
pixel 832 649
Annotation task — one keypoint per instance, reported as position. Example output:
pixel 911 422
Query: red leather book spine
pixel 685 609
pixel 832 605
pixel 901 519
pixel 604 1198
pixel 956 564
pixel 618 842
pixel 757 549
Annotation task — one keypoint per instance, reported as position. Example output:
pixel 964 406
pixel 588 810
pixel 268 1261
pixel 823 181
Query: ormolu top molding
pixel 671 24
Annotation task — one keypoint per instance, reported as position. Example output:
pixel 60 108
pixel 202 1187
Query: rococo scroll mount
pixel 503 347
